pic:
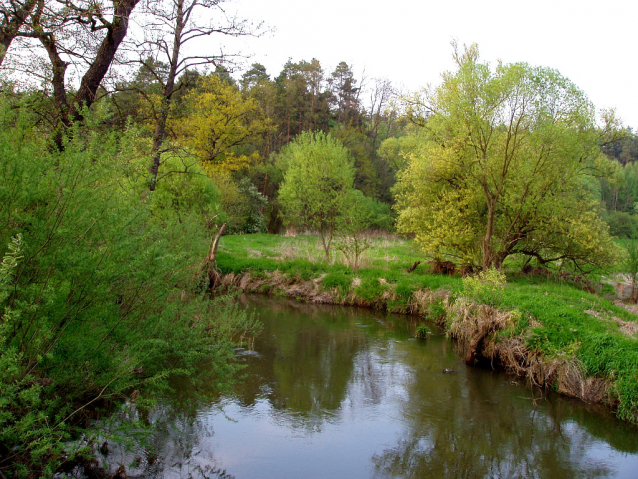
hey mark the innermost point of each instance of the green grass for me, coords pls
(569, 326)
(303, 256)
(557, 319)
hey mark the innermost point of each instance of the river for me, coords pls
(336, 392)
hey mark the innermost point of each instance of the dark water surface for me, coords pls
(333, 392)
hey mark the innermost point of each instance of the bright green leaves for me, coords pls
(318, 178)
(503, 168)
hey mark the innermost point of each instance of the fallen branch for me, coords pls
(413, 267)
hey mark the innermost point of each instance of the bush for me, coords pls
(622, 224)
(422, 331)
(485, 287)
(98, 290)
(380, 215)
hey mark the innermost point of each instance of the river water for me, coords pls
(335, 392)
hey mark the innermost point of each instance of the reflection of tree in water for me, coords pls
(316, 365)
(377, 374)
(304, 364)
(473, 425)
(173, 449)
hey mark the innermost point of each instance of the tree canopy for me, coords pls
(318, 178)
(506, 166)
(219, 121)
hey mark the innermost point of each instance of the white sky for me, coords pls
(593, 43)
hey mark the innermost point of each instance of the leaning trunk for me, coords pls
(210, 265)
(93, 77)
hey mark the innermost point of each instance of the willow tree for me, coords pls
(506, 166)
(318, 182)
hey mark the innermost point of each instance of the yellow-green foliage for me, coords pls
(219, 121)
(504, 166)
(485, 287)
(396, 151)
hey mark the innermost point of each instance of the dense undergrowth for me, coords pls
(546, 322)
(100, 289)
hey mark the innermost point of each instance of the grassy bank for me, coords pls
(549, 330)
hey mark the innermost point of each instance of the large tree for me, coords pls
(84, 35)
(318, 179)
(220, 122)
(14, 15)
(506, 167)
(345, 96)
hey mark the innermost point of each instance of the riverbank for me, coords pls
(553, 333)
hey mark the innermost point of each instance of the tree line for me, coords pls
(124, 148)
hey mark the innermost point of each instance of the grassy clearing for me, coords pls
(383, 268)
(554, 332)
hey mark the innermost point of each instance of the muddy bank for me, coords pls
(277, 284)
(484, 333)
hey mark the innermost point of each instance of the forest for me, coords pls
(127, 145)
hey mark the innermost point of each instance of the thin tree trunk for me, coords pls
(158, 142)
(326, 246)
(211, 260)
(487, 239)
(160, 127)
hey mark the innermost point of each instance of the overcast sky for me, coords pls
(593, 43)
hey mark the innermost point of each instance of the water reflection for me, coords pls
(337, 392)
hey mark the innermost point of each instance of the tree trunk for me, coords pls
(158, 141)
(58, 69)
(160, 126)
(106, 53)
(325, 241)
(210, 264)
(487, 239)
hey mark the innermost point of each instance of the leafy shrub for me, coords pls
(186, 192)
(352, 246)
(422, 331)
(486, 287)
(622, 224)
(98, 291)
(380, 215)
